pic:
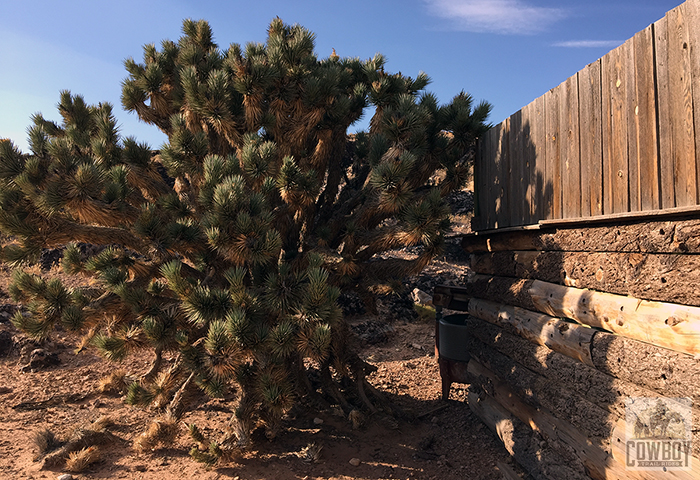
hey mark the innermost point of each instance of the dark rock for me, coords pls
(6, 343)
(373, 331)
(461, 202)
(40, 358)
(400, 306)
(50, 257)
(7, 311)
(351, 304)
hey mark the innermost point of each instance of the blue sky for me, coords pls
(507, 52)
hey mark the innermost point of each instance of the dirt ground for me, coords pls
(435, 439)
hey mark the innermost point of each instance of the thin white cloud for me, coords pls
(510, 17)
(590, 43)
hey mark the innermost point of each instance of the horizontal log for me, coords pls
(524, 445)
(561, 336)
(672, 326)
(661, 277)
(504, 290)
(599, 388)
(667, 325)
(669, 373)
(639, 237)
(540, 392)
(453, 298)
(575, 448)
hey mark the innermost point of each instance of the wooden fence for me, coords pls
(620, 137)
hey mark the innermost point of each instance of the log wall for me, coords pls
(565, 325)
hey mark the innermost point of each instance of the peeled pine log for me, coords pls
(646, 237)
(576, 450)
(586, 397)
(669, 373)
(559, 335)
(524, 445)
(661, 277)
(505, 290)
(541, 392)
(672, 326)
(667, 325)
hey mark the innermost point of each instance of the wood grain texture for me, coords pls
(590, 104)
(672, 326)
(570, 148)
(681, 108)
(553, 199)
(643, 127)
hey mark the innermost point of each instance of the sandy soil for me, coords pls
(435, 440)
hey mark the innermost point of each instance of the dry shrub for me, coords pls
(163, 430)
(82, 459)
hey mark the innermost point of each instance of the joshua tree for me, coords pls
(230, 245)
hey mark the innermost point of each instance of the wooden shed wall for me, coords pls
(620, 136)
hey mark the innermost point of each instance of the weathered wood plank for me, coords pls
(559, 335)
(672, 237)
(487, 179)
(671, 278)
(692, 13)
(538, 140)
(643, 127)
(590, 105)
(569, 148)
(672, 326)
(479, 190)
(615, 154)
(502, 166)
(515, 186)
(631, 114)
(506, 290)
(529, 156)
(681, 108)
(553, 200)
(666, 172)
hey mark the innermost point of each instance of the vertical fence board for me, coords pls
(668, 195)
(615, 154)
(490, 181)
(643, 126)
(538, 138)
(681, 106)
(590, 103)
(480, 202)
(528, 160)
(505, 193)
(528, 154)
(552, 154)
(569, 148)
(630, 113)
(516, 169)
(692, 12)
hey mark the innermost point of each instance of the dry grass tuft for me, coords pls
(82, 459)
(161, 431)
(116, 383)
(357, 419)
(311, 453)
(45, 441)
